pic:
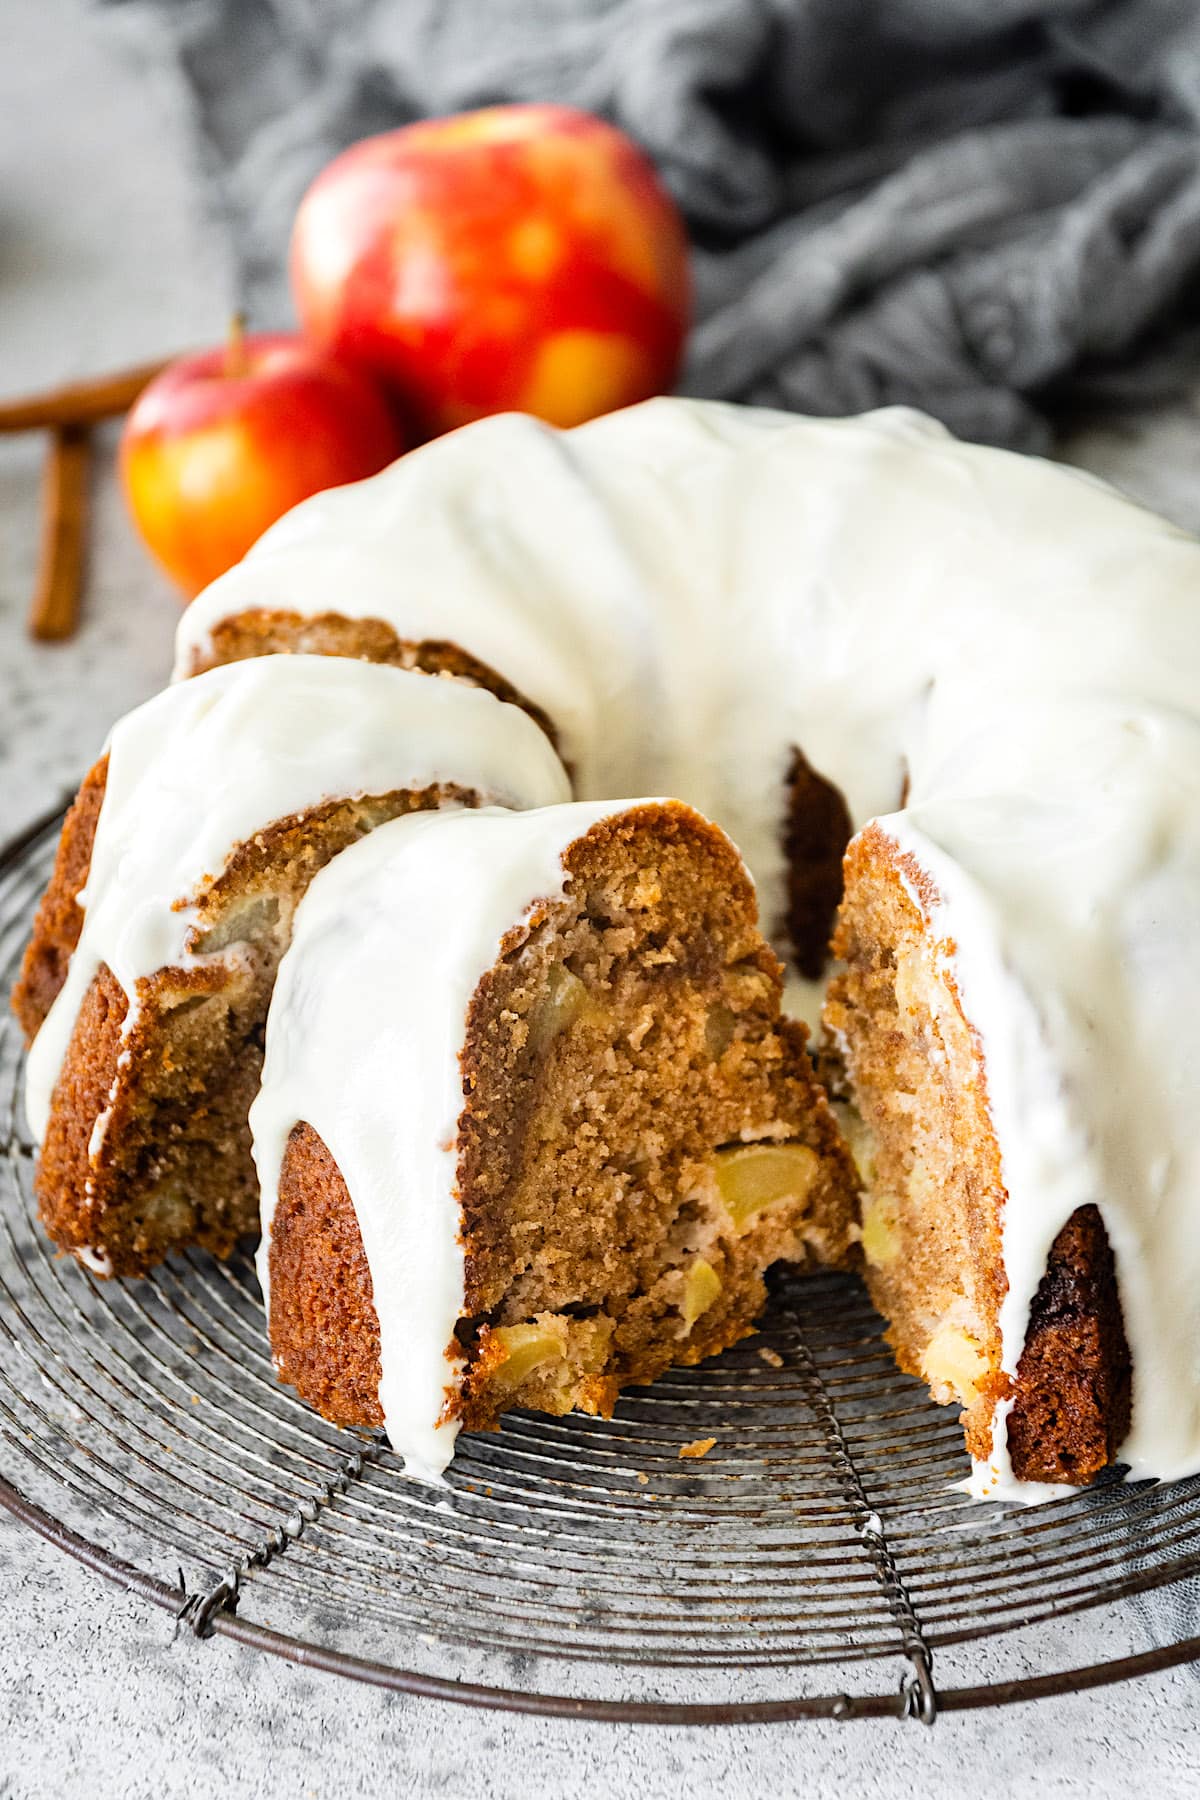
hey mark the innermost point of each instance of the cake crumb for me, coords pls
(771, 1357)
(698, 1447)
(642, 1479)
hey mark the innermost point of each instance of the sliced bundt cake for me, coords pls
(145, 987)
(806, 628)
(531, 1126)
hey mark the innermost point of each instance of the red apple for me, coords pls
(521, 257)
(221, 444)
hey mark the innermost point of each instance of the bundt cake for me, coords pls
(574, 1135)
(145, 987)
(987, 667)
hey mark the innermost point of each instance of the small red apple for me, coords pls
(221, 444)
(520, 257)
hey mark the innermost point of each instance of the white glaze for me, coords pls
(398, 928)
(692, 589)
(204, 766)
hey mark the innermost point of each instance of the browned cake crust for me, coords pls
(59, 918)
(321, 1292)
(1074, 1380)
(627, 1081)
(171, 1164)
(933, 1211)
(262, 633)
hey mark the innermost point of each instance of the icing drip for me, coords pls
(691, 590)
(204, 766)
(401, 926)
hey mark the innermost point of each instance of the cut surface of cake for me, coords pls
(575, 1135)
(145, 986)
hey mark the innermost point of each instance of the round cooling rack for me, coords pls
(819, 1561)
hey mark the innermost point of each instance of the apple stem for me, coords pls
(235, 346)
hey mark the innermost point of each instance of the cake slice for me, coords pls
(936, 1197)
(531, 1127)
(145, 987)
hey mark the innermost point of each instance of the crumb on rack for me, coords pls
(771, 1357)
(697, 1447)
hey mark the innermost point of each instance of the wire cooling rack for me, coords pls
(817, 1562)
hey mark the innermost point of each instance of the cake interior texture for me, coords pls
(641, 1138)
(934, 1201)
(148, 1146)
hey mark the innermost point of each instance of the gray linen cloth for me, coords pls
(988, 208)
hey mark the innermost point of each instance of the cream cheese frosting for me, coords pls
(999, 657)
(204, 766)
(401, 926)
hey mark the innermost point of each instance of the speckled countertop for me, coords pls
(105, 259)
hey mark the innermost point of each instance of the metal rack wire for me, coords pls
(820, 1561)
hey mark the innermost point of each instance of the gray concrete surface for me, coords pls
(106, 257)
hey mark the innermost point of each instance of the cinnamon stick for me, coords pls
(55, 610)
(80, 402)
